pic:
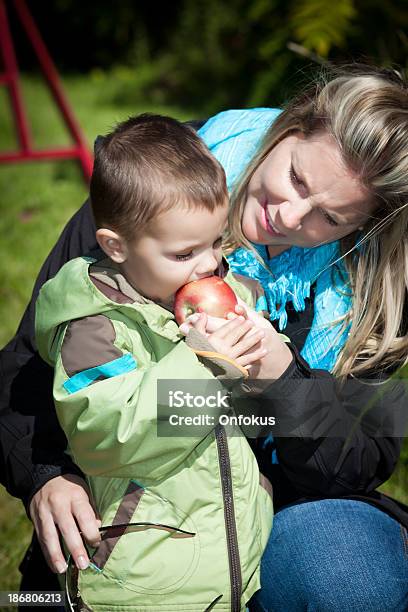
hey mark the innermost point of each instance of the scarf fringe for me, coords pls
(288, 277)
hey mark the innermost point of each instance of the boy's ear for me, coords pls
(112, 244)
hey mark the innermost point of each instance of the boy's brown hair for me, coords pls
(147, 165)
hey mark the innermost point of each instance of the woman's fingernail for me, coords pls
(82, 563)
(61, 567)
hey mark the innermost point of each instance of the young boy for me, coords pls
(197, 517)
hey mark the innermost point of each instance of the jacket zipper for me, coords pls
(229, 514)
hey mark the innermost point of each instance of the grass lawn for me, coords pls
(36, 201)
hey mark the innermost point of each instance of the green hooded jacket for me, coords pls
(202, 509)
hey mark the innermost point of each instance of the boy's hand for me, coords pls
(237, 338)
(214, 323)
(277, 356)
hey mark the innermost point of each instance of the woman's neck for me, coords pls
(274, 250)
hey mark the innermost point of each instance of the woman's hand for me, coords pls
(278, 355)
(63, 506)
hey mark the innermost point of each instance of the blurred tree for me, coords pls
(320, 25)
(380, 32)
(85, 35)
(258, 52)
(212, 54)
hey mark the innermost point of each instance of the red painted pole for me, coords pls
(51, 75)
(11, 79)
(24, 156)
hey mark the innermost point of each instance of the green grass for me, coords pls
(15, 530)
(36, 201)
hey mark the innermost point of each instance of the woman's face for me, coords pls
(303, 195)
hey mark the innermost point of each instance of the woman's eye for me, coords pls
(329, 219)
(294, 178)
(184, 257)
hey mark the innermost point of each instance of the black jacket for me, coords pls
(330, 452)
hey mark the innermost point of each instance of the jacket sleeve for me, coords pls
(334, 439)
(109, 412)
(32, 444)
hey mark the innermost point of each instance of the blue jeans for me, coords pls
(334, 555)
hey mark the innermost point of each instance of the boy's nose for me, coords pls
(207, 265)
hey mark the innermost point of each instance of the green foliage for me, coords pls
(320, 25)
(214, 54)
(244, 49)
(229, 46)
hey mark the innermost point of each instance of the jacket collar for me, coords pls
(108, 278)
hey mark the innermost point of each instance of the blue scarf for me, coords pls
(288, 278)
(233, 137)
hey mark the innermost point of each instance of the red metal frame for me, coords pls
(10, 78)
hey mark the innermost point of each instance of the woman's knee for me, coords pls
(334, 555)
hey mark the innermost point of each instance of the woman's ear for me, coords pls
(112, 244)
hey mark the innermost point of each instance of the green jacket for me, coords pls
(208, 509)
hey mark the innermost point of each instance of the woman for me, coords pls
(324, 205)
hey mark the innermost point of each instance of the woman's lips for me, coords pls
(267, 223)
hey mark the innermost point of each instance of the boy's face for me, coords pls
(182, 245)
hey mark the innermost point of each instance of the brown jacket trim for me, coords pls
(123, 515)
(223, 362)
(88, 343)
(220, 365)
(105, 274)
(112, 294)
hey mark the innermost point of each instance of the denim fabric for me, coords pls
(334, 555)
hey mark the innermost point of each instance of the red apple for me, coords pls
(211, 295)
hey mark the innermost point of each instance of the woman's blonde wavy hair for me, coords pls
(366, 111)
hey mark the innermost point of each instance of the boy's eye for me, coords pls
(184, 256)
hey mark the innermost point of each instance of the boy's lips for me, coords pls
(267, 222)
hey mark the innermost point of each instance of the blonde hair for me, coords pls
(366, 111)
